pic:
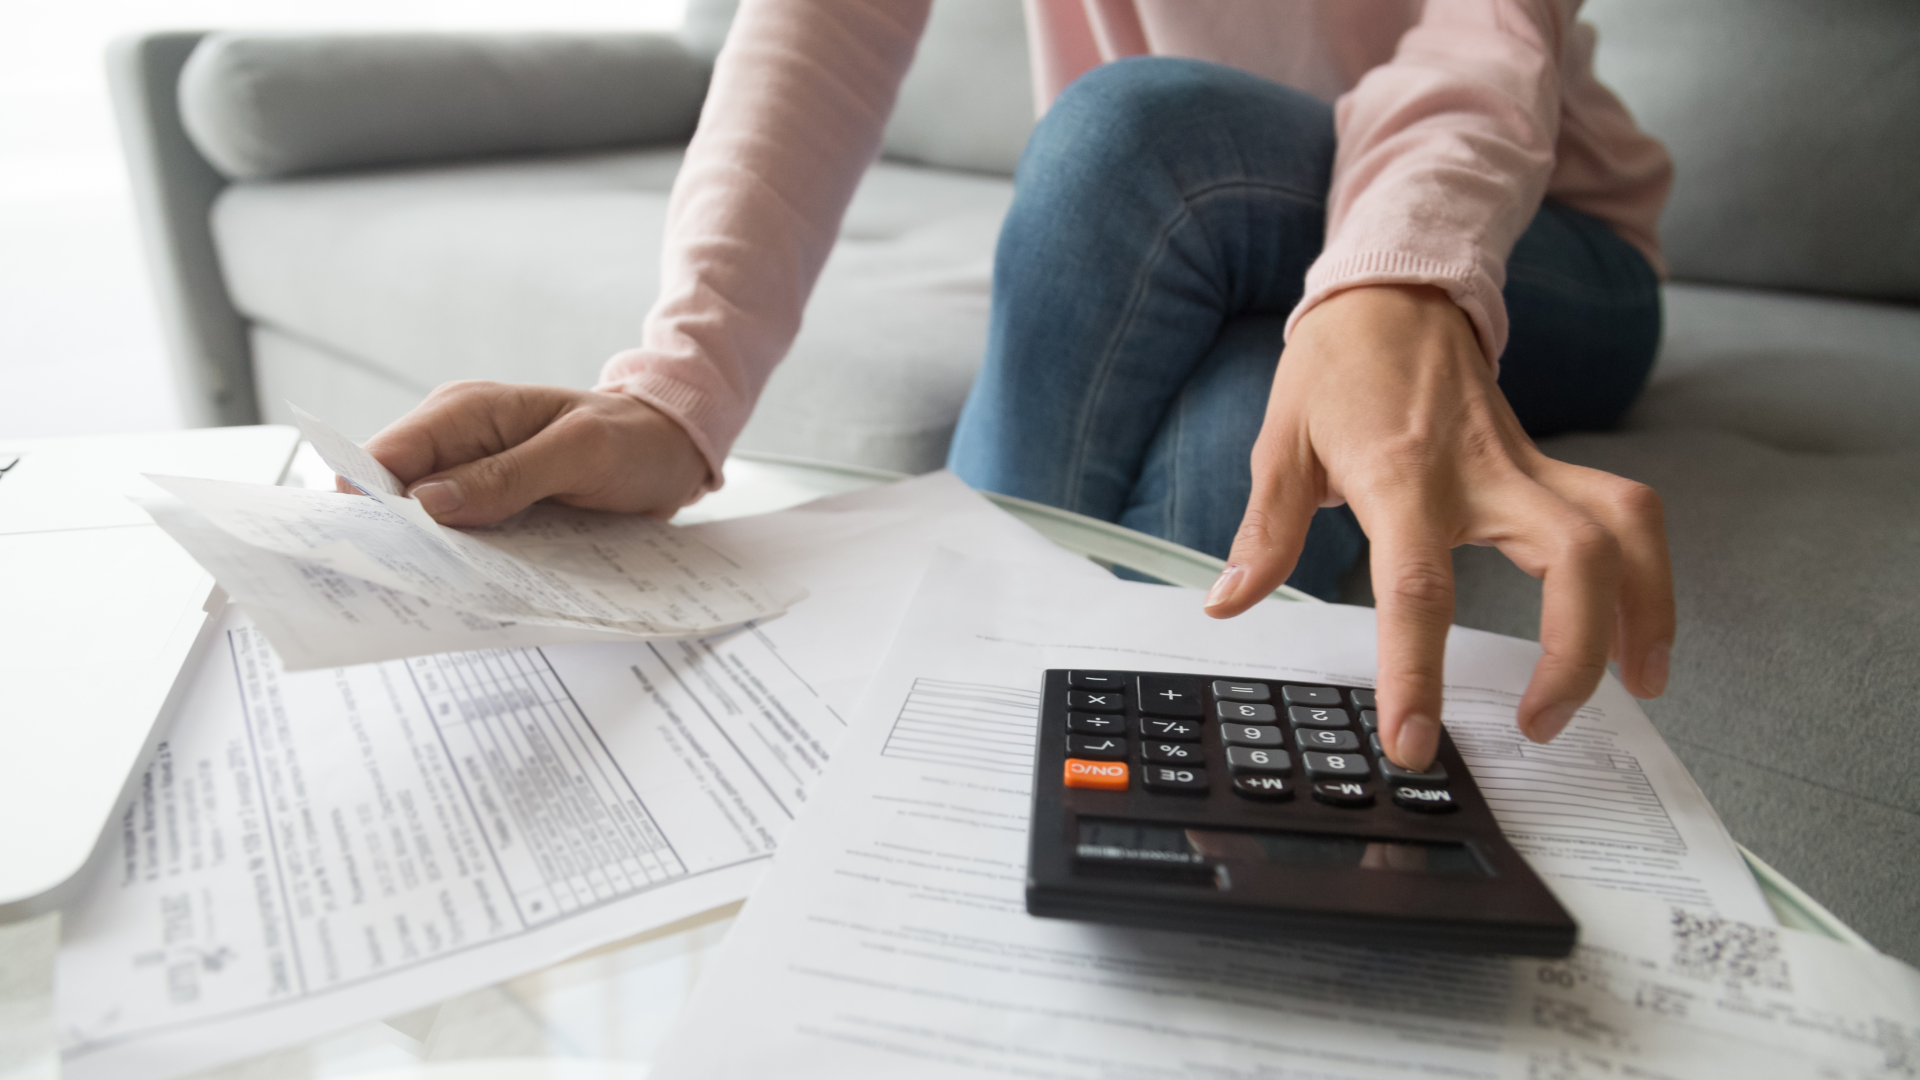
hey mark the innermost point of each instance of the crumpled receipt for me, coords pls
(334, 579)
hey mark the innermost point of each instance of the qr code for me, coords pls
(1733, 953)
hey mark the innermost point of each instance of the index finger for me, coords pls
(1413, 598)
(461, 422)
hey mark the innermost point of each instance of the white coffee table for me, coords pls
(602, 1015)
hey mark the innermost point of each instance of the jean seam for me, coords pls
(1076, 469)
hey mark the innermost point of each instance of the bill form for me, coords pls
(891, 938)
(337, 579)
(311, 850)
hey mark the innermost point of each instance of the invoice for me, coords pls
(891, 936)
(315, 849)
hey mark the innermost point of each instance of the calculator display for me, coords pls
(1142, 843)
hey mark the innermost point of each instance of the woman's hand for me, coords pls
(1383, 400)
(476, 452)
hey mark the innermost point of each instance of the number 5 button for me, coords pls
(1338, 766)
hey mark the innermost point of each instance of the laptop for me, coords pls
(100, 613)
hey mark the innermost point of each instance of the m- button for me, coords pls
(1163, 696)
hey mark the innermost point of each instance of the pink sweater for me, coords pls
(1454, 119)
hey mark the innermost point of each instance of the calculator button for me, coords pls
(1370, 720)
(1244, 712)
(1087, 723)
(1104, 747)
(1343, 794)
(1434, 776)
(1096, 680)
(1310, 695)
(1327, 766)
(1227, 690)
(1251, 759)
(1097, 700)
(1175, 730)
(1331, 739)
(1262, 786)
(1163, 696)
(1362, 699)
(1426, 800)
(1251, 735)
(1174, 778)
(1373, 740)
(1172, 753)
(1100, 775)
(1307, 716)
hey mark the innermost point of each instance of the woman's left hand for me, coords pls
(1384, 400)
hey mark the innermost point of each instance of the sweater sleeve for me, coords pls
(800, 95)
(1444, 155)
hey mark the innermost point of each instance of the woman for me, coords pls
(1224, 311)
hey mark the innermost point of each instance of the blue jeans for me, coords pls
(1164, 216)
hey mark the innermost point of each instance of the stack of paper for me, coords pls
(336, 579)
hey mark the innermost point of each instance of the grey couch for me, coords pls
(346, 221)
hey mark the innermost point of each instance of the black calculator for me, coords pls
(1265, 807)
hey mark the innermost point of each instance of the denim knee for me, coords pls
(1167, 113)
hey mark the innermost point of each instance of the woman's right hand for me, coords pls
(473, 453)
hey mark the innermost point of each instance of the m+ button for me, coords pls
(1163, 695)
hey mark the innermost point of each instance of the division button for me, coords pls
(1362, 699)
(1100, 775)
(1163, 695)
(1096, 680)
(1252, 735)
(1174, 730)
(1245, 712)
(1329, 739)
(1087, 723)
(1434, 776)
(1174, 778)
(1248, 759)
(1426, 800)
(1263, 786)
(1310, 695)
(1172, 753)
(1097, 700)
(1335, 766)
(1228, 690)
(1103, 747)
(1308, 716)
(1343, 794)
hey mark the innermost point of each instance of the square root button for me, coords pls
(1162, 695)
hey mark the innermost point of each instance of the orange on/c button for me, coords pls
(1105, 775)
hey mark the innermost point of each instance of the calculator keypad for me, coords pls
(1264, 730)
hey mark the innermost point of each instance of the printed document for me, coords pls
(336, 579)
(891, 939)
(311, 850)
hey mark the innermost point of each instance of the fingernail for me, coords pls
(1653, 672)
(1225, 586)
(439, 497)
(1552, 720)
(1418, 741)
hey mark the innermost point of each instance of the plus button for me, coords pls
(1169, 695)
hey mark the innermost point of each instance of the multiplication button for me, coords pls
(1097, 700)
(1174, 778)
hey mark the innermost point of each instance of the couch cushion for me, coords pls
(537, 271)
(275, 104)
(1792, 131)
(967, 102)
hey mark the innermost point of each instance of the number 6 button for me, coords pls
(1343, 766)
(1251, 735)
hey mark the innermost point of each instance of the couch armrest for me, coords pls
(261, 105)
(173, 190)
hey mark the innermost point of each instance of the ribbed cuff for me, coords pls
(1466, 284)
(696, 412)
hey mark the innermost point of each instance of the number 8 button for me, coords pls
(1342, 766)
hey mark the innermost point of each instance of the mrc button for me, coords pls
(1100, 775)
(1425, 800)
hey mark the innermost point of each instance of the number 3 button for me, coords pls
(1342, 766)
